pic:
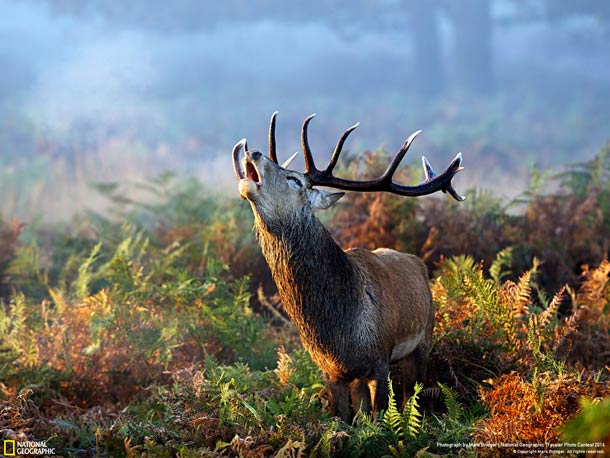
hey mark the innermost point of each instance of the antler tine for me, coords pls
(337, 152)
(272, 149)
(387, 175)
(288, 161)
(431, 174)
(428, 170)
(457, 161)
(433, 182)
(310, 165)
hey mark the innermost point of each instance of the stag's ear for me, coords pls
(321, 200)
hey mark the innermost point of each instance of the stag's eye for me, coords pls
(294, 182)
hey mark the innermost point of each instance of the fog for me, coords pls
(106, 91)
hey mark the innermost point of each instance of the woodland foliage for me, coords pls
(139, 333)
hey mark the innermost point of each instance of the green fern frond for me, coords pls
(392, 417)
(411, 416)
(461, 265)
(542, 359)
(454, 408)
(323, 448)
(498, 267)
(84, 275)
(400, 450)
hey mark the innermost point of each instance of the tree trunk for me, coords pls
(425, 32)
(473, 44)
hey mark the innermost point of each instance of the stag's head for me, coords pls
(266, 183)
(278, 192)
(274, 190)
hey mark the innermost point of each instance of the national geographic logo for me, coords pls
(9, 448)
(20, 448)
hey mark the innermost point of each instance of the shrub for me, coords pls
(146, 315)
(133, 333)
(9, 241)
(523, 411)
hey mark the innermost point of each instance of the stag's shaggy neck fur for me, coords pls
(316, 280)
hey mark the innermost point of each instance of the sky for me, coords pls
(116, 92)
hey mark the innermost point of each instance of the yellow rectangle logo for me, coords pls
(9, 447)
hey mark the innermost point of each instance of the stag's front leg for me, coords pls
(378, 384)
(405, 373)
(361, 396)
(339, 399)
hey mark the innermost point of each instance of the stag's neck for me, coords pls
(316, 280)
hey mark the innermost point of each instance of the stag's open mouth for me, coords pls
(252, 172)
(246, 171)
(247, 164)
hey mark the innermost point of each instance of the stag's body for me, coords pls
(358, 312)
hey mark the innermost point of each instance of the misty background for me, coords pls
(120, 91)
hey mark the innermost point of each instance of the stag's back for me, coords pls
(397, 291)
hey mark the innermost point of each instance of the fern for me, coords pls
(457, 424)
(369, 438)
(543, 360)
(522, 294)
(18, 341)
(409, 422)
(399, 450)
(456, 269)
(454, 408)
(411, 416)
(81, 286)
(285, 366)
(498, 267)
(291, 449)
(392, 418)
(227, 400)
(323, 447)
(546, 317)
(28, 272)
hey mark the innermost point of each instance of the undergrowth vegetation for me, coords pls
(144, 332)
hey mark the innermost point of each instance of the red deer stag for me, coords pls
(361, 314)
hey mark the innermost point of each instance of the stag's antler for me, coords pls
(432, 183)
(272, 150)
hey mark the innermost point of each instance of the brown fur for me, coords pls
(353, 309)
